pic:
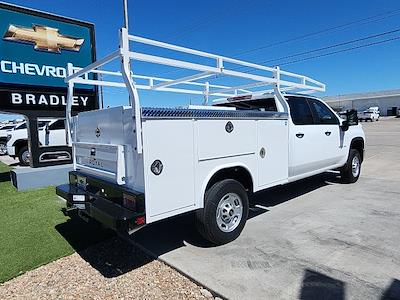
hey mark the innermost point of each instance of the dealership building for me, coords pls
(388, 101)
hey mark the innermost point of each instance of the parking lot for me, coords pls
(313, 239)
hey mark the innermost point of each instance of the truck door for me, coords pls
(304, 138)
(56, 134)
(327, 124)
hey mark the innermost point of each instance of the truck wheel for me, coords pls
(225, 212)
(24, 156)
(3, 148)
(351, 171)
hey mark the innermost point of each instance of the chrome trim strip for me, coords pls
(226, 156)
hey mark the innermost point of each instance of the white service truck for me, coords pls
(134, 166)
(51, 133)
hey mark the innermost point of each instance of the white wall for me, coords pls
(384, 103)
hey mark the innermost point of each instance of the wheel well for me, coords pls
(358, 144)
(240, 174)
(19, 144)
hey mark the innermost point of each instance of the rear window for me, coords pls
(300, 111)
(267, 104)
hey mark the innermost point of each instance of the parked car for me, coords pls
(3, 137)
(51, 133)
(371, 114)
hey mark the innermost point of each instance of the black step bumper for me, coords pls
(109, 212)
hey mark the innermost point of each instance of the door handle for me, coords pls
(299, 135)
(327, 133)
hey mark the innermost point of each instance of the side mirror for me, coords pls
(351, 119)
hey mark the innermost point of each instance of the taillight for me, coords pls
(140, 220)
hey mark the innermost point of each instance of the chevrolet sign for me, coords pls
(44, 38)
(35, 48)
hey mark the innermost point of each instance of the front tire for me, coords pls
(3, 148)
(24, 156)
(225, 212)
(351, 171)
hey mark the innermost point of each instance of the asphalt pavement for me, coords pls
(312, 239)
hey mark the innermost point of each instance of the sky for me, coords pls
(232, 28)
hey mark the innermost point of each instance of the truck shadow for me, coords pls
(167, 235)
(101, 248)
(113, 256)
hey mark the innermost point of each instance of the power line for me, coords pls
(210, 19)
(333, 46)
(342, 50)
(329, 53)
(362, 21)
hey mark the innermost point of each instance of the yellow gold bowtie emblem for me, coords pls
(44, 38)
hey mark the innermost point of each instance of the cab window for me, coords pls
(267, 104)
(300, 111)
(322, 114)
(60, 124)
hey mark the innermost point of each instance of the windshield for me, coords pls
(7, 127)
(41, 124)
(267, 104)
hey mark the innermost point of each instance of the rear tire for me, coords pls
(225, 212)
(24, 156)
(352, 170)
(3, 148)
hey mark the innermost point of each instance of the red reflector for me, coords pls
(240, 98)
(140, 220)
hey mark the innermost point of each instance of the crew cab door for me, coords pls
(328, 126)
(303, 138)
(314, 141)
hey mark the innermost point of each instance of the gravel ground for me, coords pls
(111, 270)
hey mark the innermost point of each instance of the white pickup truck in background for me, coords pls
(134, 166)
(371, 114)
(51, 133)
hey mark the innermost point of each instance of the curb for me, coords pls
(150, 253)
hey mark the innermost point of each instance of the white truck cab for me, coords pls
(134, 166)
(51, 133)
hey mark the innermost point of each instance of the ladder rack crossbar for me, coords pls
(221, 67)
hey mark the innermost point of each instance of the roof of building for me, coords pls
(367, 95)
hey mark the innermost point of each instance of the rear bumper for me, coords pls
(93, 202)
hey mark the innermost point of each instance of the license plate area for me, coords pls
(81, 183)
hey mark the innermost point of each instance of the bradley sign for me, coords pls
(35, 48)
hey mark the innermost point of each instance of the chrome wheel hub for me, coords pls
(355, 166)
(229, 212)
(25, 157)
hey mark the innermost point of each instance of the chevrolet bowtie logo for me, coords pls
(44, 38)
